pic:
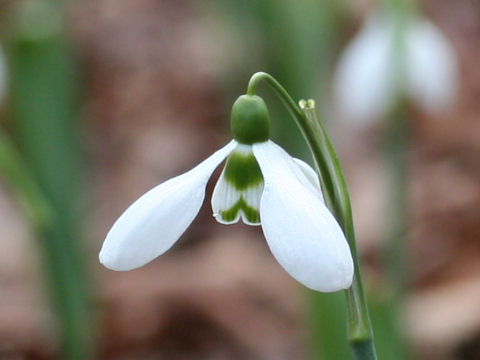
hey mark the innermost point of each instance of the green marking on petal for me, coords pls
(252, 214)
(242, 171)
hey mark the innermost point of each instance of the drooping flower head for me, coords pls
(261, 185)
(424, 62)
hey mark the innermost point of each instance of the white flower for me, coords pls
(261, 184)
(365, 75)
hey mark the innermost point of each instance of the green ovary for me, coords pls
(242, 171)
(252, 214)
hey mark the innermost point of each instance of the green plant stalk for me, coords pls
(395, 150)
(360, 328)
(326, 321)
(338, 200)
(390, 308)
(44, 97)
(387, 308)
(14, 171)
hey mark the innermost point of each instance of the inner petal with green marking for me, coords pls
(239, 189)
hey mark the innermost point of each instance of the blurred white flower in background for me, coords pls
(366, 78)
(3, 75)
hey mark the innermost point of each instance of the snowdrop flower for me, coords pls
(261, 185)
(365, 75)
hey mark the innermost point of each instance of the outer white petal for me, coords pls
(152, 224)
(362, 90)
(310, 174)
(301, 232)
(432, 71)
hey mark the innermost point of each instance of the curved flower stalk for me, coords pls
(3, 75)
(261, 185)
(376, 68)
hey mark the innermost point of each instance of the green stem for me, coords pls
(15, 172)
(338, 200)
(396, 159)
(390, 307)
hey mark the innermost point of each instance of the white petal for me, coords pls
(432, 71)
(252, 196)
(152, 224)
(310, 174)
(224, 197)
(234, 198)
(362, 90)
(301, 232)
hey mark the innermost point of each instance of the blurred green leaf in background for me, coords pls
(44, 101)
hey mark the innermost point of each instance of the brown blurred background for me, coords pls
(159, 77)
